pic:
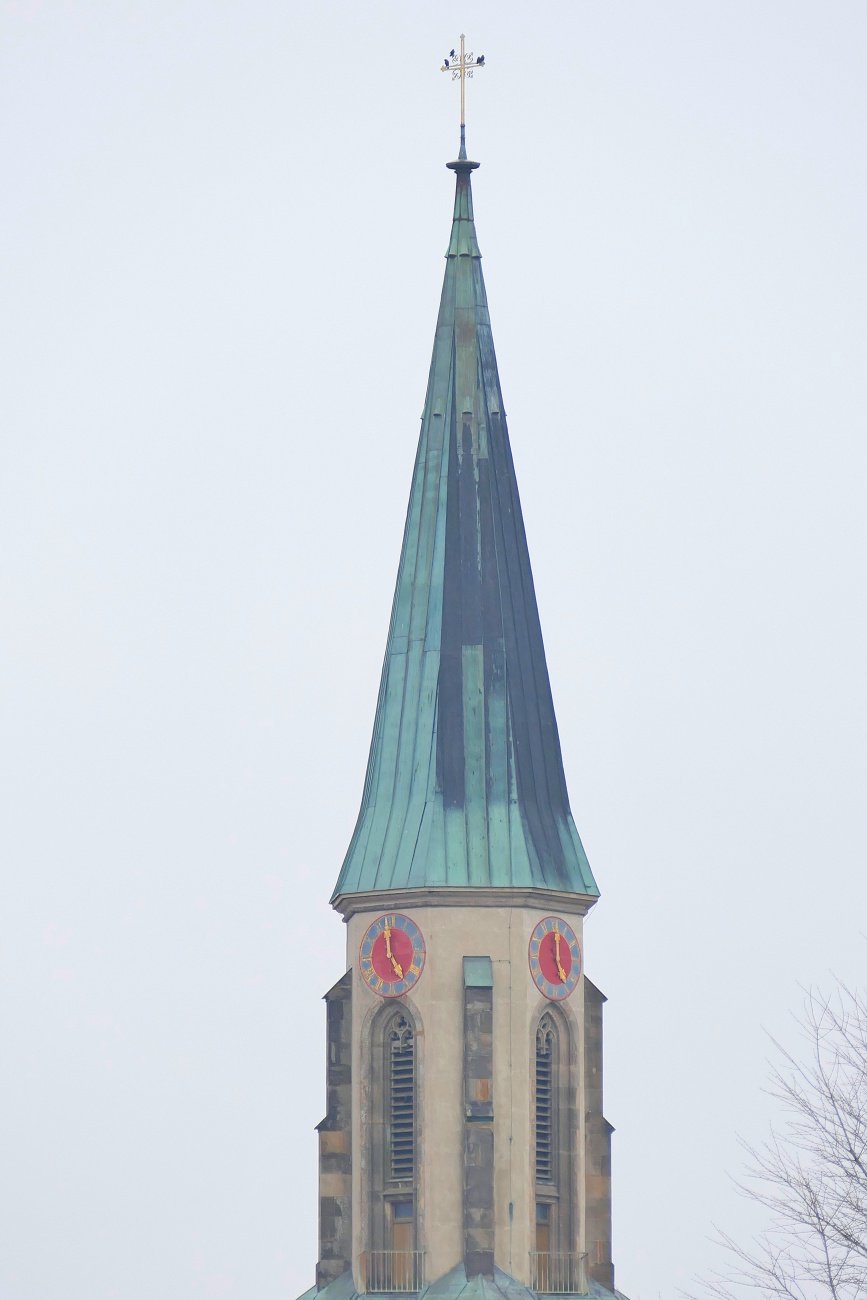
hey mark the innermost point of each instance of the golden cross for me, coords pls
(462, 66)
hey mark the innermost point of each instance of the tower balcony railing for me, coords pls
(558, 1272)
(389, 1272)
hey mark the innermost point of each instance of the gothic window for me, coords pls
(401, 1101)
(555, 1136)
(392, 1142)
(545, 1036)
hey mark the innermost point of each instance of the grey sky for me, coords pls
(222, 237)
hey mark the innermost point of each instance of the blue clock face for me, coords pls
(392, 955)
(555, 958)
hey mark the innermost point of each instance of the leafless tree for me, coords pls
(811, 1175)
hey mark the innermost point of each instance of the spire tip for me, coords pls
(462, 164)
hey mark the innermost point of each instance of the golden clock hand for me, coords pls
(390, 955)
(560, 970)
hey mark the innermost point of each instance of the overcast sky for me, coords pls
(223, 228)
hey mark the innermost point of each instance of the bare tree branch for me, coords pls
(811, 1173)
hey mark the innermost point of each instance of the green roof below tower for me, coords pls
(465, 783)
(455, 1285)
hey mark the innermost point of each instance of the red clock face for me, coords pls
(391, 958)
(555, 958)
(555, 961)
(392, 955)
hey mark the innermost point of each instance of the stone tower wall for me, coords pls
(444, 1019)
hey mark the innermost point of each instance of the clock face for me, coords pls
(555, 958)
(392, 955)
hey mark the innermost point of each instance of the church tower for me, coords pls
(464, 1143)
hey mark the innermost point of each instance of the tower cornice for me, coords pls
(377, 900)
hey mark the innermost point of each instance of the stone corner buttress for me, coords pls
(335, 1139)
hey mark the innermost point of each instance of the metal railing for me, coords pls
(558, 1272)
(391, 1271)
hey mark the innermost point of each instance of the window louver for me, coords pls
(544, 1103)
(402, 1102)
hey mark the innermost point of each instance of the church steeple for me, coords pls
(465, 784)
(464, 1150)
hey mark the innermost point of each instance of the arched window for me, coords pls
(555, 1143)
(393, 1151)
(545, 1109)
(400, 1124)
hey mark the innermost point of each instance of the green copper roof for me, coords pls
(465, 782)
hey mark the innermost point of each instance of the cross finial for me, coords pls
(462, 65)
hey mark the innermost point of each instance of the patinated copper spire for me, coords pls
(465, 784)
